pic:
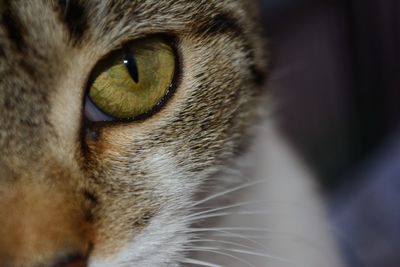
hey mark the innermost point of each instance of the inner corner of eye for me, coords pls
(93, 113)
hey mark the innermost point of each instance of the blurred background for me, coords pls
(336, 76)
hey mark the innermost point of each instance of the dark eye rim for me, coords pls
(101, 64)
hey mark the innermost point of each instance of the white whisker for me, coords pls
(246, 252)
(222, 242)
(223, 214)
(237, 205)
(220, 194)
(249, 229)
(219, 253)
(200, 263)
(228, 232)
(258, 237)
(235, 235)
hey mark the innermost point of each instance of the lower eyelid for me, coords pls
(93, 113)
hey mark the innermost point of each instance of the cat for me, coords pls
(123, 126)
(82, 182)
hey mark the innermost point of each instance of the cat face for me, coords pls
(80, 187)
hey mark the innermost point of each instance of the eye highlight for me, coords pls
(131, 82)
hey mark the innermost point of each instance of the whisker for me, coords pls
(227, 232)
(249, 229)
(199, 263)
(222, 242)
(258, 237)
(243, 186)
(239, 236)
(246, 252)
(237, 205)
(259, 240)
(204, 210)
(222, 214)
(219, 253)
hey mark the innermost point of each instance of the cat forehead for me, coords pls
(48, 30)
(105, 18)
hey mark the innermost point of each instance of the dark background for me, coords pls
(335, 78)
(335, 72)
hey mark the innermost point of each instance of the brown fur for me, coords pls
(67, 187)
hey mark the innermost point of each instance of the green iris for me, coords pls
(134, 80)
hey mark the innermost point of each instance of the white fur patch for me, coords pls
(160, 243)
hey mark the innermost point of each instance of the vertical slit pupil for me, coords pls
(131, 65)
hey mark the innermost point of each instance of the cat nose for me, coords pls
(42, 227)
(73, 260)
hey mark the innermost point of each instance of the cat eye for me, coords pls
(132, 82)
